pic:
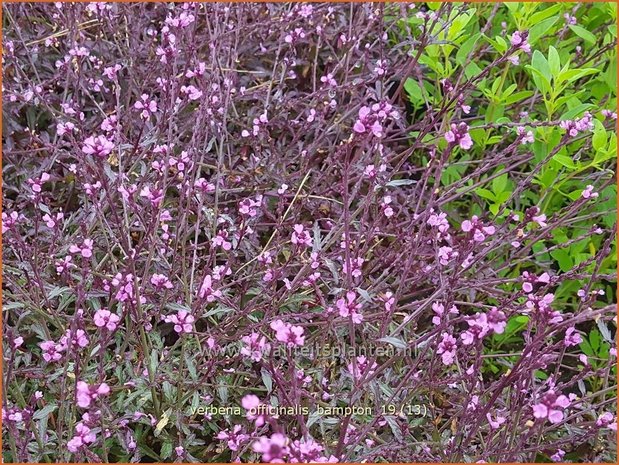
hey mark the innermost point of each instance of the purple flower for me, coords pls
(98, 146)
(551, 407)
(85, 394)
(447, 348)
(182, 321)
(105, 319)
(300, 236)
(459, 135)
(273, 449)
(349, 307)
(519, 39)
(287, 333)
(572, 338)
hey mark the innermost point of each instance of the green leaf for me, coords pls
(466, 48)
(594, 340)
(599, 136)
(540, 63)
(413, 90)
(486, 194)
(540, 81)
(517, 97)
(499, 184)
(583, 33)
(586, 348)
(541, 28)
(565, 161)
(546, 13)
(563, 258)
(576, 112)
(572, 75)
(554, 61)
(166, 450)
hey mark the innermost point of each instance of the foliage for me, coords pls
(404, 211)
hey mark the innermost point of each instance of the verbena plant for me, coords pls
(222, 222)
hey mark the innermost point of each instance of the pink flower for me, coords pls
(606, 420)
(479, 230)
(85, 249)
(255, 346)
(525, 137)
(300, 237)
(98, 146)
(446, 254)
(497, 422)
(147, 106)
(588, 193)
(496, 320)
(104, 318)
(387, 209)
(348, 307)
(459, 135)
(161, 281)
(206, 290)
(51, 221)
(85, 394)
(9, 220)
(182, 321)
(573, 127)
(192, 92)
(572, 338)
(519, 39)
(551, 407)
(154, 195)
(478, 328)
(285, 332)
(52, 352)
(234, 438)
(447, 348)
(389, 300)
(328, 80)
(372, 119)
(221, 240)
(252, 404)
(558, 456)
(273, 449)
(362, 368)
(83, 436)
(530, 279)
(35, 185)
(438, 221)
